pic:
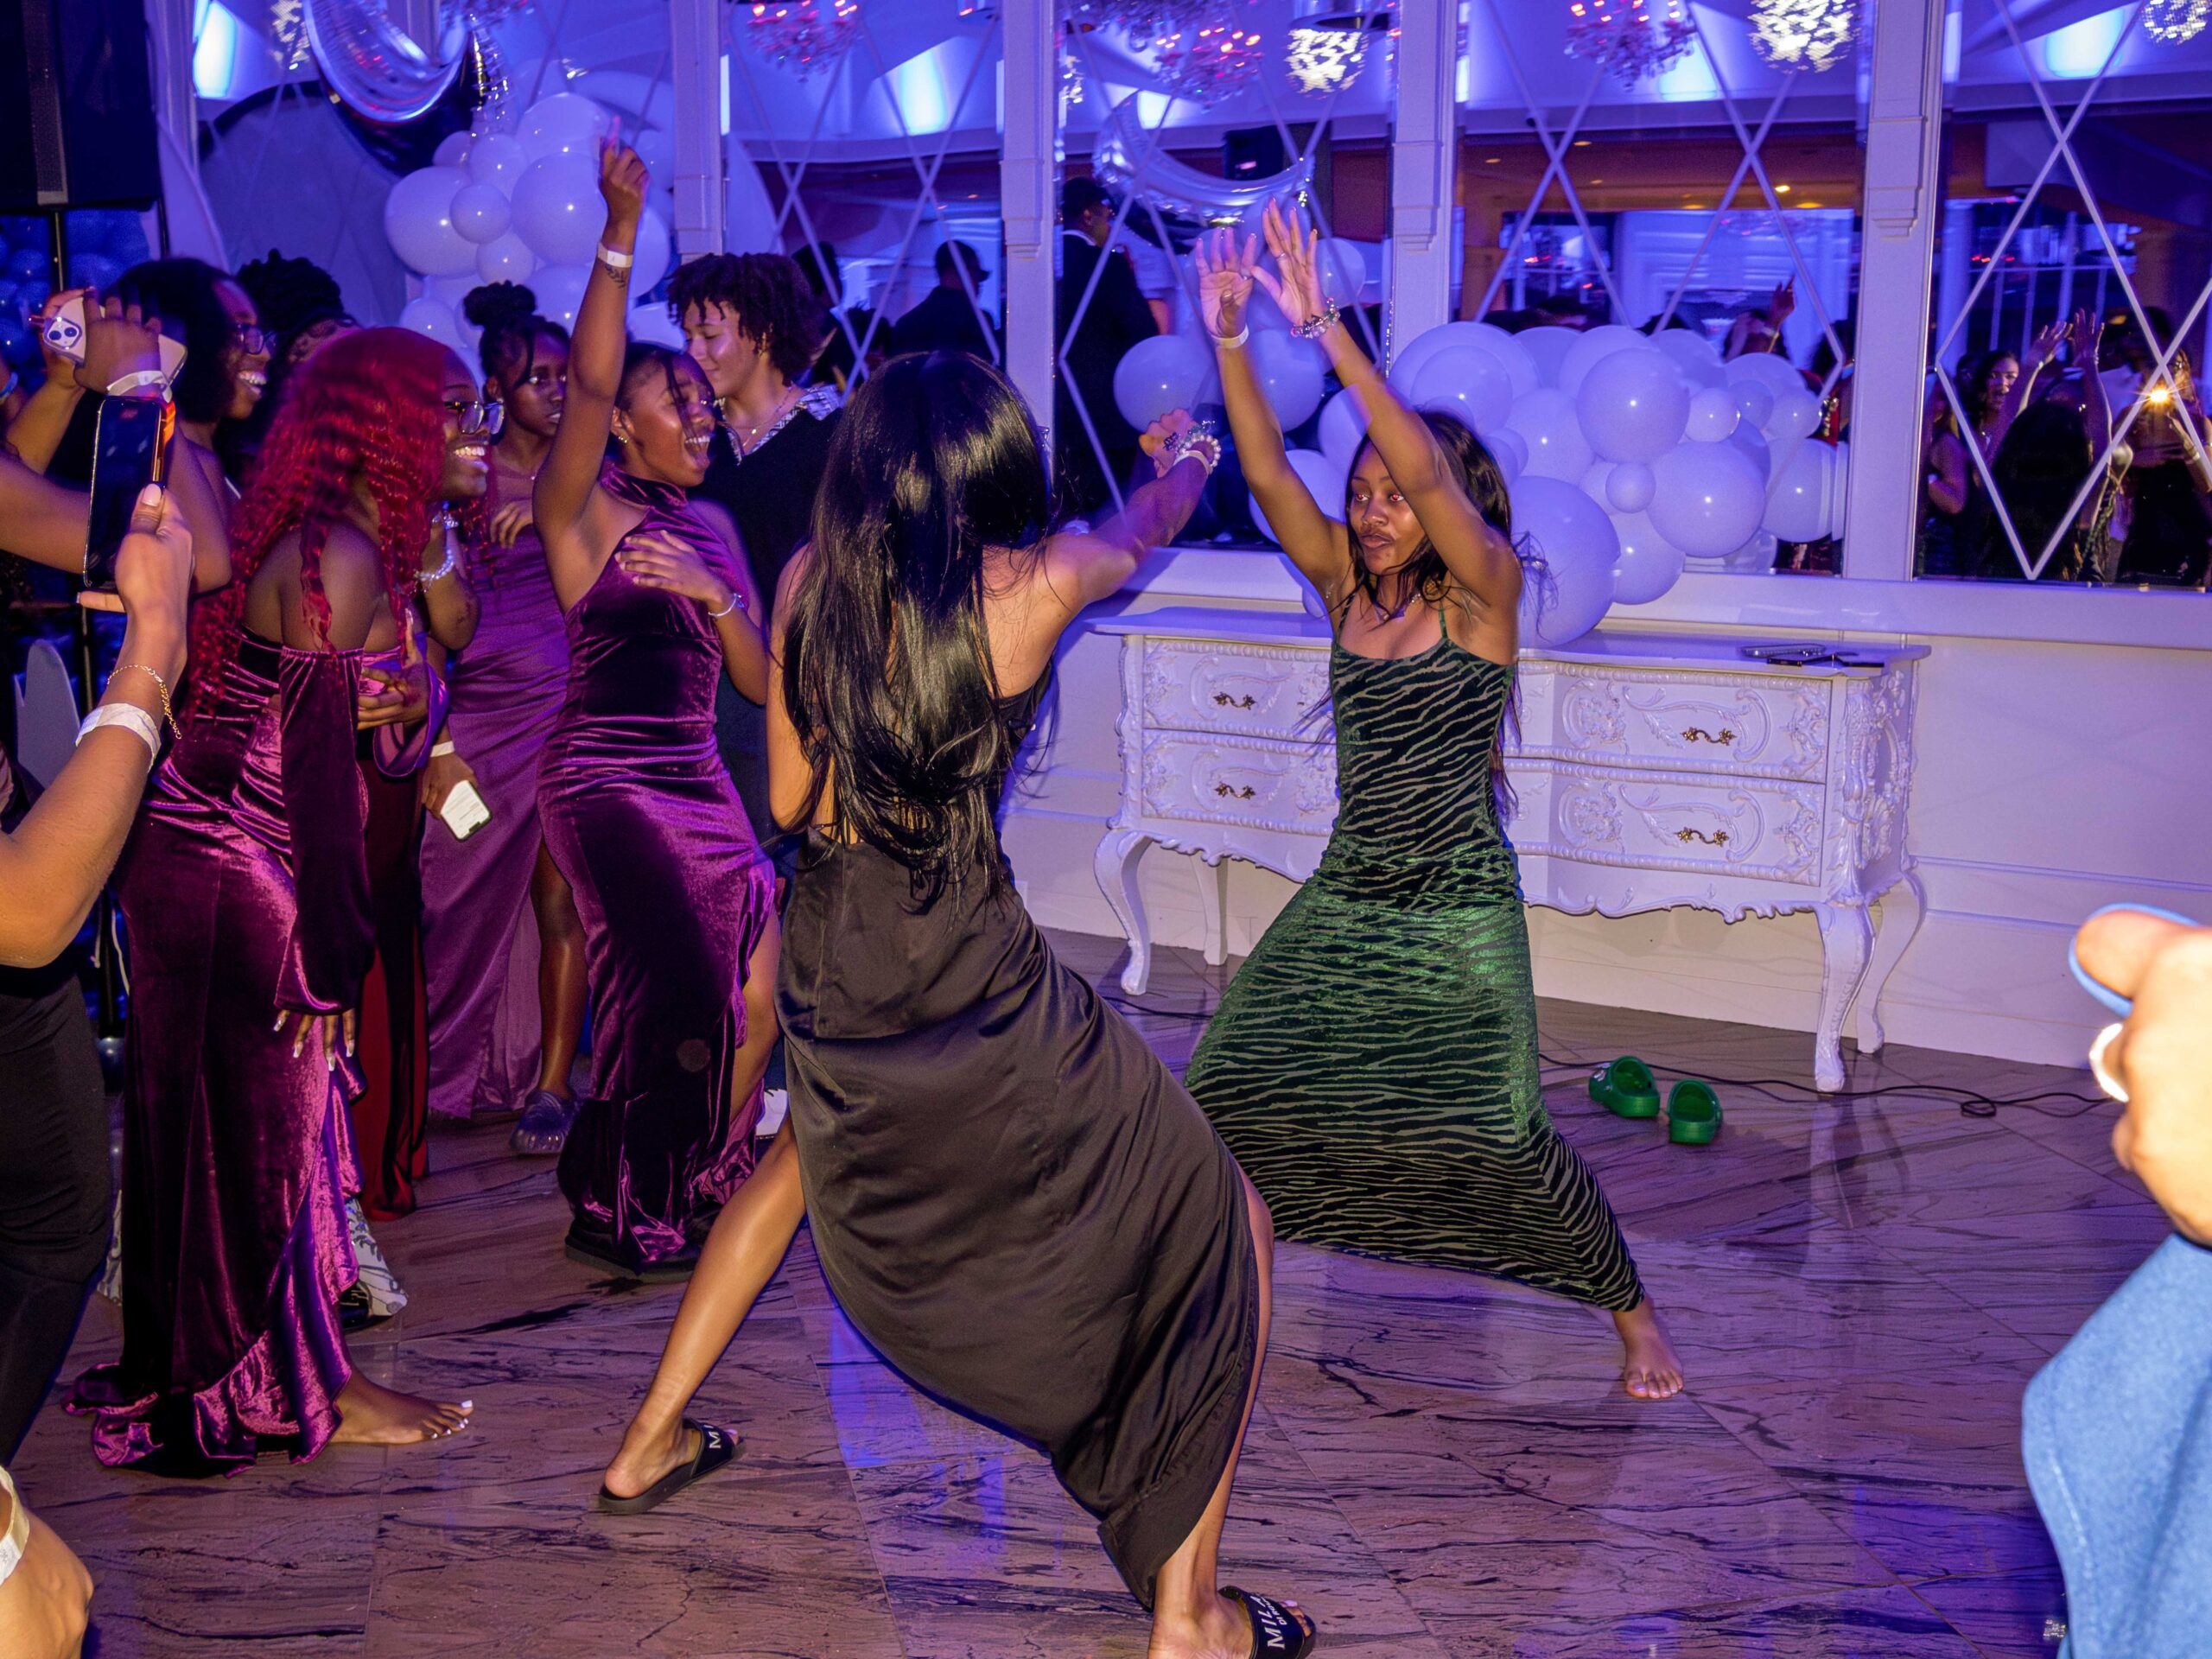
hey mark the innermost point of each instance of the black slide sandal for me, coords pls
(1279, 1629)
(716, 1447)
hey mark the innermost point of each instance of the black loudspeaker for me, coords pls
(1252, 153)
(76, 106)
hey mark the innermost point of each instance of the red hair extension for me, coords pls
(368, 407)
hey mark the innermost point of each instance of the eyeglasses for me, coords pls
(253, 339)
(477, 419)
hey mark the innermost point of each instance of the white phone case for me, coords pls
(464, 810)
(65, 332)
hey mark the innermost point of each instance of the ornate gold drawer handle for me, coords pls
(1244, 793)
(1222, 699)
(1699, 735)
(1719, 838)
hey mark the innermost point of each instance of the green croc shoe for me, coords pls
(1626, 1088)
(1693, 1113)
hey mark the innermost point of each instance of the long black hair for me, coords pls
(1477, 471)
(887, 673)
(185, 294)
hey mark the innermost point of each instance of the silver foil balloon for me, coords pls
(495, 109)
(374, 68)
(1126, 158)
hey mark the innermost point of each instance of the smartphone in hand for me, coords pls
(64, 333)
(129, 451)
(464, 810)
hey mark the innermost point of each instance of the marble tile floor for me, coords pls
(1440, 1467)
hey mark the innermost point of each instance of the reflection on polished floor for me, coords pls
(1440, 1465)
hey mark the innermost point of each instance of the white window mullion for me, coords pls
(1901, 204)
(1424, 157)
(1027, 171)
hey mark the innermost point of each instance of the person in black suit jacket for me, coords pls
(1115, 319)
(948, 320)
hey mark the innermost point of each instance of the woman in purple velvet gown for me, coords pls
(677, 897)
(244, 893)
(501, 943)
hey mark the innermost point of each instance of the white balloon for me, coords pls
(1840, 489)
(565, 123)
(657, 149)
(1649, 564)
(1343, 429)
(1801, 504)
(497, 158)
(451, 292)
(1547, 423)
(1520, 367)
(1577, 544)
(505, 259)
(653, 324)
(1714, 415)
(418, 221)
(1748, 438)
(1289, 372)
(1546, 345)
(480, 213)
(1323, 481)
(452, 150)
(1591, 347)
(1592, 483)
(1158, 376)
(433, 317)
(1343, 270)
(557, 209)
(1632, 405)
(654, 248)
(1630, 487)
(1796, 414)
(1754, 401)
(1709, 497)
(1755, 554)
(1765, 369)
(559, 290)
(1694, 354)
(1510, 451)
(1468, 382)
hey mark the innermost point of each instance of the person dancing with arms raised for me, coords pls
(1013, 1198)
(676, 898)
(1373, 1065)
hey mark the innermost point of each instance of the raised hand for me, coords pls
(623, 182)
(1296, 285)
(656, 560)
(1158, 439)
(2046, 343)
(119, 340)
(1782, 302)
(1225, 272)
(2089, 332)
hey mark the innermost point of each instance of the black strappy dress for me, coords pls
(1013, 1198)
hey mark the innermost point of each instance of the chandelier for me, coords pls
(1632, 38)
(804, 36)
(1811, 34)
(1206, 64)
(1143, 21)
(2172, 22)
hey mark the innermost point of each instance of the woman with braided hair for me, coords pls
(502, 943)
(245, 894)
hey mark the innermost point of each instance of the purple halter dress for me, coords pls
(244, 889)
(480, 935)
(673, 891)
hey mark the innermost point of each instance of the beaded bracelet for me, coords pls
(1197, 441)
(1314, 328)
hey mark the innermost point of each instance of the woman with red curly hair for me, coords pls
(245, 894)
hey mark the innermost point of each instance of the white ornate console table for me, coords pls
(1652, 770)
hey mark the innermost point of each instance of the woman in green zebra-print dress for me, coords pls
(1373, 1065)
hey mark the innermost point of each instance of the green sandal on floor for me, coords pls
(1693, 1113)
(1626, 1088)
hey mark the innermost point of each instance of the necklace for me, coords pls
(745, 439)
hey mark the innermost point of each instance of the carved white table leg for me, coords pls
(1903, 907)
(1844, 938)
(1114, 864)
(1213, 901)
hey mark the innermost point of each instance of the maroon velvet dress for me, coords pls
(673, 891)
(244, 889)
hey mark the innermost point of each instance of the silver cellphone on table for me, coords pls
(464, 810)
